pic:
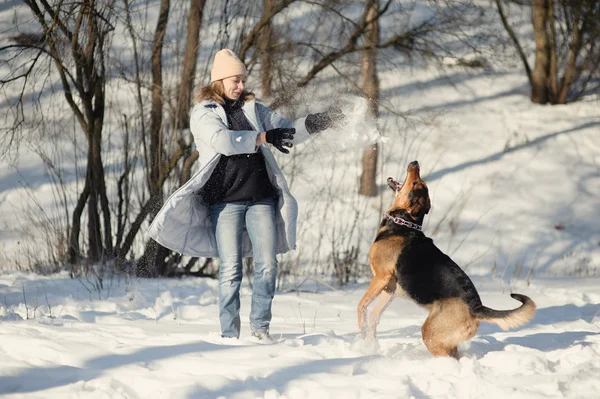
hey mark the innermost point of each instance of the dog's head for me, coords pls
(412, 196)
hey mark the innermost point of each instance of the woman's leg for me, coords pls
(260, 222)
(228, 223)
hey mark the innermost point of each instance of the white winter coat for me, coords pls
(183, 224)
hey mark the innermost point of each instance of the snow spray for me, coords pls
(358, 129)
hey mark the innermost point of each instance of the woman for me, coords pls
(238, 203)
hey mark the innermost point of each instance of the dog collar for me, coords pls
(399, 220)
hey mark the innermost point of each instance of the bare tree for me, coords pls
(152, 262)
(567, 50)
(74, 36)
(159, 160)
(425, 37)
(368, 185)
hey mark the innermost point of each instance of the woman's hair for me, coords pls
(216, 91)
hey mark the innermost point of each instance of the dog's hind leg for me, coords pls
(448, 324)
(431, 333)
(377, 285)
(384, 300)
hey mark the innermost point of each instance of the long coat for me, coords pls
(183, 224)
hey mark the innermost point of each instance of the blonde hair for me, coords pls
(216, 91)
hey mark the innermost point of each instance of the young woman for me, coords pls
(238, 203)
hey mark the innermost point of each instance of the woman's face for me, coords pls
(234, 86)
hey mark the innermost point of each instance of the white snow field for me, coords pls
(159, 339)
(515, 191)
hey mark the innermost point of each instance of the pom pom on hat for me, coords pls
(226, 64)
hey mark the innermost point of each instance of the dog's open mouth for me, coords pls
(394, 184)
(413, 168)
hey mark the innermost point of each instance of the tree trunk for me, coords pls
(186, 84)
(188, 73)
(99, 101)
(570, 74)
(186, 170)
(94, 238)
(368, 186)
(93, 100)
(266, 72)
(552, 83)
(74, 251)
(94, 175)
(539, 78)
(156, 111)
(151, 261)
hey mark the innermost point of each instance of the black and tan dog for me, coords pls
(407, 263)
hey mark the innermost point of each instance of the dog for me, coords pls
(406, 263)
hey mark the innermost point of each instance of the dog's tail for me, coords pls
(507, 319)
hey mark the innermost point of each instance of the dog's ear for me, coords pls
(427, 206)
(393, 184)
(420, 207)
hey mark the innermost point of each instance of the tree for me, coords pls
(539, 77)
(152, 262)
(567, 50)
(188, 78)
(74, 36)
(368, 186)
(188, 72)
(266, 39)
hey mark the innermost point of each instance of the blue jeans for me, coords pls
(229, 221)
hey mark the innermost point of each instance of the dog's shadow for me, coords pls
(484, 343)
(544, 342)
(408, 341)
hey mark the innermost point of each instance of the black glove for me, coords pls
(324, 120)
(281, 137)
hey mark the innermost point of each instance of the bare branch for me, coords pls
(331, 57)
(266, 18)
(327, 7)
(514, 38)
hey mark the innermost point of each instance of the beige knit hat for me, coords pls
(226, 64)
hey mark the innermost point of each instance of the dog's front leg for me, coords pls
(383, 302)
(377, 285)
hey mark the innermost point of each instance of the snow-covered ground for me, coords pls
(515, 186)
(159, 339)
(515, 193)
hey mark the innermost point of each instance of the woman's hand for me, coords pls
(324, 120)
(280, 138)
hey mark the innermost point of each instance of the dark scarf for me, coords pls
(240, 177)
(235, 115)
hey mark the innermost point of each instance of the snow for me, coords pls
(514, 190)
(159, 338)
